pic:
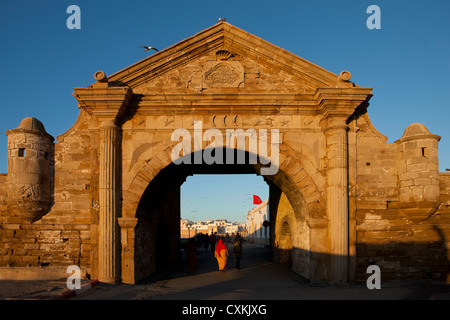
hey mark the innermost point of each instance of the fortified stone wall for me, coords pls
(402, 207)
(62, 237)
(402, 221)
(444, 185)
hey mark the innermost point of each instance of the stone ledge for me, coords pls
(16, 273)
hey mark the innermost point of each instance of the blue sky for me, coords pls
(406, 61)
(231, 196)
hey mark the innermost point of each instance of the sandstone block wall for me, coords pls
(62, 237)
(402, 208)
(402, 224)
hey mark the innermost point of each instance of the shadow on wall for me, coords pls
(398, 261)
(406, 260)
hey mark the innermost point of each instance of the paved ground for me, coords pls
(31, 290)
(258, 279)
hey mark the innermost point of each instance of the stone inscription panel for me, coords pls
(222, 74)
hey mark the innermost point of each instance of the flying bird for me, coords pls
(146, 48)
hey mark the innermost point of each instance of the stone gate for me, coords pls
(106, 195)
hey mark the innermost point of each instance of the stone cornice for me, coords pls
(105, 103)
(20, 130)
(245, 103)
(341, 102)
(419, 137)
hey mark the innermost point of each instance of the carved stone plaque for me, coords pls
(222, 74)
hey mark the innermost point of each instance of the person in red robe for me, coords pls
(221, 254)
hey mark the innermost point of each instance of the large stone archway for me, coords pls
(223, 79)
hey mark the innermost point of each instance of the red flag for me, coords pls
(256, 200)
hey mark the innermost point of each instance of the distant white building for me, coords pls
(189, 228)
(234, 228)
(221, 226)
(257, 233)
(184, 223)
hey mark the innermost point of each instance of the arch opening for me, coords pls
(157, 233)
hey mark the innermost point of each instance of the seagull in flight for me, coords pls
(146, 48)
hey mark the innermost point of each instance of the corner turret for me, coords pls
(418, 165)
(30, 150)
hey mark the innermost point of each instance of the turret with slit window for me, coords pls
(30, 154)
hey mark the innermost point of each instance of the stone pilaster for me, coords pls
(318, 233)
(337, 105)
(108, 104)
(337, 199)
(127, 229)
(108, 269)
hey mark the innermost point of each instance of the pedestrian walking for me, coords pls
(237, 253)
(227, 238)
(221, 254)
(192, 256)
(212, 241)
(206, 241)
(199, 240)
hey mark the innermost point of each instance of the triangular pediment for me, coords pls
(225, 57)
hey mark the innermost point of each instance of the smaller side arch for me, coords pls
(284, 244)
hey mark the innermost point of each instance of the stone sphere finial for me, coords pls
(345, 75)
(100, 76)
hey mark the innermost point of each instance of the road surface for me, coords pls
(258, 279)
